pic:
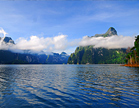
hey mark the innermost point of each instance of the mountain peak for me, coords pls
(7, 40)
(63, 53)
(111, 31)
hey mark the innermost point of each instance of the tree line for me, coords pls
(132, 56)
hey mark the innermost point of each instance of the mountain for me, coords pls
(111, 31)
(57, 58)
(91, 55)
(7, 40)
(9, 57)
(27, 57)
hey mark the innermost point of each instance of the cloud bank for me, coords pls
(61, 43)
(111, 42)
(49, 44)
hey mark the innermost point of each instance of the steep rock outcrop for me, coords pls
(111, 31)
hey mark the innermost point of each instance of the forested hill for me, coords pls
(91, 55)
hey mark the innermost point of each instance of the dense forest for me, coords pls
(132, 56)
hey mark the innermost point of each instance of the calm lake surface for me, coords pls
(40, 86)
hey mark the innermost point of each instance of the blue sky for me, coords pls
(74, 19)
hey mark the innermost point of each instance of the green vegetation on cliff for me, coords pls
(90, 55)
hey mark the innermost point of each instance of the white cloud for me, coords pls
(36, 44)
(3, 32)
(108, 42)
(60, 43)
(57, 44)
(49, 44)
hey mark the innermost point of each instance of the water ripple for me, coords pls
(68, 86)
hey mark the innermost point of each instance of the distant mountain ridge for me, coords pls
(27, 57)
(91, 55)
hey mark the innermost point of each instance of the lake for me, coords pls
(78, 86)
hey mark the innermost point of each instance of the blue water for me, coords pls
(41, 86)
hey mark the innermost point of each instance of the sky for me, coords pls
(56, 26)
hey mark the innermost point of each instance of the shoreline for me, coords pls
(130, 65)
